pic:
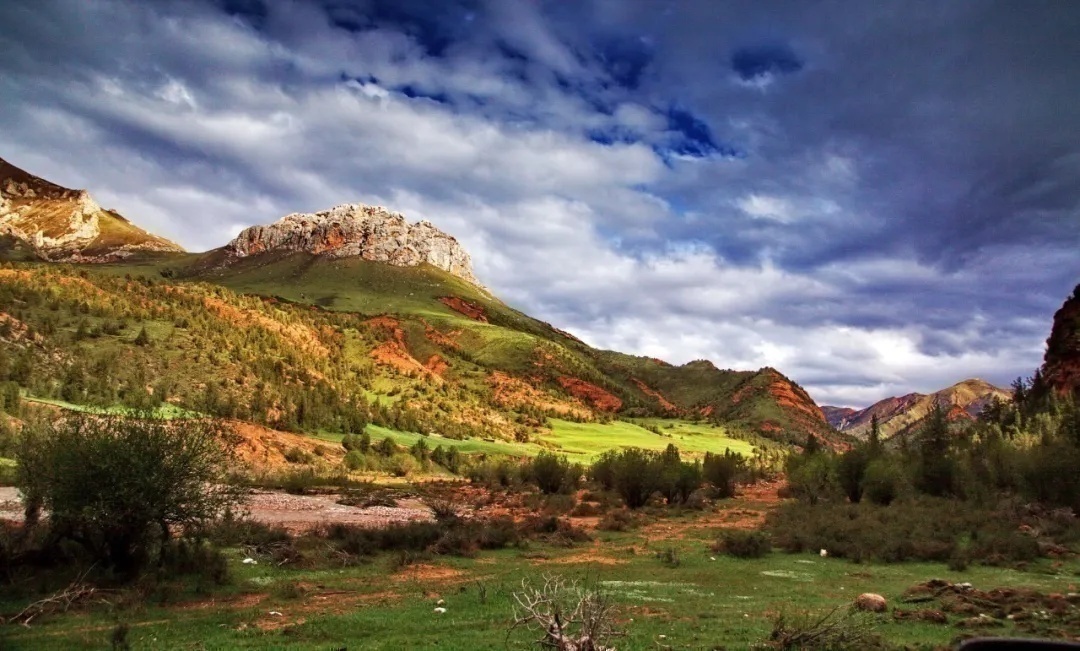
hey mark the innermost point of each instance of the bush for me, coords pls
(882, 481)
(743, 544)
(553, 473)
(355, 460)
(637, 474)
(403, 465)
(120, 487)
(619, 520)
(926, 529)
(722, 471)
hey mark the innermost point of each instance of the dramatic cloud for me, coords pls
(875, 199)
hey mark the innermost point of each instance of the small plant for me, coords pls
(669, 556)
(839, 630)
(743, 544)
(619, 520)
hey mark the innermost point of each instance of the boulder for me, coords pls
(872, 603)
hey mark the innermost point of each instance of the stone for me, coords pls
(355, 230)
(872, 603)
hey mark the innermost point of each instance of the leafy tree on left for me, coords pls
(122, 487)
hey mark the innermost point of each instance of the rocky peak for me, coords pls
(355, 230)
(62, 224)
(1061, 363)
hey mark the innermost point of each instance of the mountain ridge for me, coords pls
(897, 414)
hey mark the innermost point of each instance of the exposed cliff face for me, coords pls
(67, 225)
(354, 230)
(1061, 364)
(962, 401)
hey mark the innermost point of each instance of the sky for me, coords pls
(873, 198)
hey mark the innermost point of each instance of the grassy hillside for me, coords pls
(309, 344)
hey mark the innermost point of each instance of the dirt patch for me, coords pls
(437, 365)
(510, 391)
(472, 310)
(590, 394)
(11, 506)
(263, 448)
(299, 336)
(443, 339)
(747, 512)
(301, 513)
(426, 572)
(664, 402)
(394, 352)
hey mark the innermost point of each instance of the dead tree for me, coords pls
(568, 616)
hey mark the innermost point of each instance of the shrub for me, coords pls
(402, 465)
(882, 481)
(721, 470)
(619, 520)
(553, 473)
(743, 544)
(122, 486)
(355, 460)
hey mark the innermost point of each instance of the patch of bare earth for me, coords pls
(590, 394)
(468, 308)
(510, 391)
(746, 511)
(301, 513)
(264, 448)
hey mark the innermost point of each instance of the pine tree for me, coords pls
(143, 338)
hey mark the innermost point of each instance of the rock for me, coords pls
(824, 553)
(355, 230)
(440, 610)
(870, 602)
(250, 561)
(980, 621)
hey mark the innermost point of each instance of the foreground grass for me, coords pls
(706, 601)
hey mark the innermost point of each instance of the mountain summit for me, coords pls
(55, 223)
(355, 230)
(962, 401)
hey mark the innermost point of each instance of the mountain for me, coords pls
(39, 219)
(353, 230)
(318, 319)
(896, 415)
(1061, 363)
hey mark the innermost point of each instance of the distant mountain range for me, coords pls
(392, 312)
(896, 415)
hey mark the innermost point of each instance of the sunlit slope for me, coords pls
(497, 337)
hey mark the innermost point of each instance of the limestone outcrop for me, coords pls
(66, 225)
(355, 230)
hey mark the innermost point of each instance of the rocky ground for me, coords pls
(294, 512)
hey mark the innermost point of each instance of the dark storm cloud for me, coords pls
(874, 198)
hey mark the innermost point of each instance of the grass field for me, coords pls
(584, 441)
(708, 601)
(165, 410)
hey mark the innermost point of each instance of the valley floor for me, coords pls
(702, 600)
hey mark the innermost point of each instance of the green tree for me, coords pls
(936, 470)
(121, 487)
